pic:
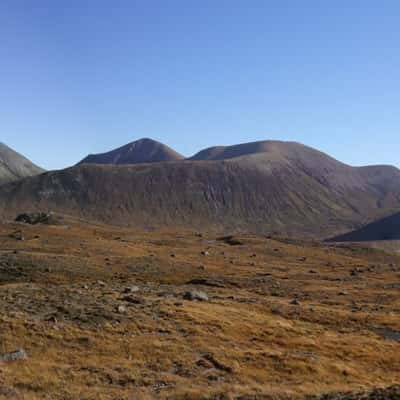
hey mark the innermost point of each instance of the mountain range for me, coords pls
(267, 186)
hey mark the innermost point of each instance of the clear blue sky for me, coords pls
(85, 76)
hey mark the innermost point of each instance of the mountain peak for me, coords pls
(144, 150)
(244, 149)
(14, 166)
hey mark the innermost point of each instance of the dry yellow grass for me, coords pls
(61, 288)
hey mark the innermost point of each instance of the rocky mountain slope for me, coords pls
(14, 166)
(139, 151)
(289, 189)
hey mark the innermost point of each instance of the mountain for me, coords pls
(287, 188)
(14, 166)
(141, 151)
(238, 150)
(384, 229)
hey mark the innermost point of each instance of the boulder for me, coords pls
(16, 355)
(195, 295)
(34, 218)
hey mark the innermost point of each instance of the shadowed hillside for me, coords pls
(384, 229)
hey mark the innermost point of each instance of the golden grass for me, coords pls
(248, 339)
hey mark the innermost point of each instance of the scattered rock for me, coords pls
(133, 300)
(230, 240)
(121, 309)
(217, 364)
(205, 253)
(52, 319)
(195, 295)
(206, 282)
(18, 235)
(35, 218)
(131, 289)
(204, 364)
(388, 333)
(355, 271)
(295, 302)
(17, 355)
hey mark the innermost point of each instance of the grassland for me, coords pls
(101, 314)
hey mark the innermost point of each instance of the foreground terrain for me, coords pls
(103, 313)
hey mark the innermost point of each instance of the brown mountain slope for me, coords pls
(140, 151)
(238, 150)
(384, 229)
(14, 166)
(296, 190)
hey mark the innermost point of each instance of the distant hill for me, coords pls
(384, 229)
(271, 186)
(238, 150)
(140, 151)
(14, 166)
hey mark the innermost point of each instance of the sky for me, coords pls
(87, 76)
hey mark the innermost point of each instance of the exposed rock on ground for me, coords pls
(195, 295)
(13, 356)
(38, 218)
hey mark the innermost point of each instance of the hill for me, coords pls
(238, 150)
(14, 166)
(140, 151)
(384, 229)
(290, 189)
